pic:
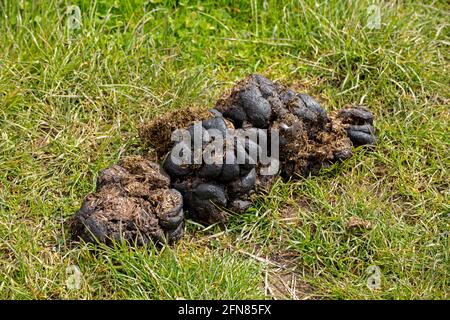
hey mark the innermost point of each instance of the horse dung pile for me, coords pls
(256, 132)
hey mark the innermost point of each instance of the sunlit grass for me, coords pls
(71, 102)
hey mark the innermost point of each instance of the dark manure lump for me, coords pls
(139, 201)
(133, 201)
(309, 139)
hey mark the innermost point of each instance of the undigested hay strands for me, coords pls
(157, 133)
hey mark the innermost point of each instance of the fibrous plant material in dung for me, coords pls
(134, 202)
(157, 133)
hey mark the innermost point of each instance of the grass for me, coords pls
(71, 102)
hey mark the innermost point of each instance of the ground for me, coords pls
(72, 101)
